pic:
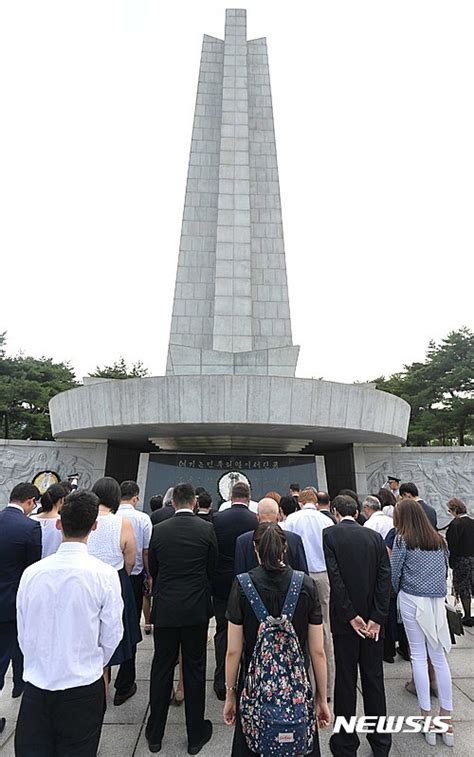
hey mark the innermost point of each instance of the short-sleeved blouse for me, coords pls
(51, 537)
(272, 587)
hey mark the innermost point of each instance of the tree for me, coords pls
(26, 386)
(440, 391)
(120, 370)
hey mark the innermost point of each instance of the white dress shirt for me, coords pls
(69, 614)
(379, 522)
(143, 529)
(310, 524)
(253, 506)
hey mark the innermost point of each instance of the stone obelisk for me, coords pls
(230, 383)
(231, 313)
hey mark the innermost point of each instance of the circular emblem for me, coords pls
(45, 479)
(226, 482)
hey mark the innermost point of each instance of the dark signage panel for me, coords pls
(216, 473)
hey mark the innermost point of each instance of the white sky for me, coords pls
(374, 119)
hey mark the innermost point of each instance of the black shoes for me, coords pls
(153, 747)
(404, 654)
(197, 747)
(121, 698)
(469, 622)
(18, 689)
(220, 693)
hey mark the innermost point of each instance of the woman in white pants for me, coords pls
(419, 574)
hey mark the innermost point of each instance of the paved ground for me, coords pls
(123, 731)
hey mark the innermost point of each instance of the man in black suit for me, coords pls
(165, 512)
(410, 491)
(324, 506)
(229, 525)
(204, 506)
(245, 557)
(20, 546)
(182, 561)
(359, 577)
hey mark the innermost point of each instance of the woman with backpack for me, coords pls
(273, 680)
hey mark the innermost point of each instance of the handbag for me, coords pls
(454, 620)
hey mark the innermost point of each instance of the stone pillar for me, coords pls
(360, 471)
(321, 473)
(141, 479)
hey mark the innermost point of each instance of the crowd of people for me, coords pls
(306, 593)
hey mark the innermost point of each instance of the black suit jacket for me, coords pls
(359, 575)
(430, 512)
(182, 559)
(158, 516)
(329, 515)
(20, 546)
(229, 525)
(206, 516)
(246, 559)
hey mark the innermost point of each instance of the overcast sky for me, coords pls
(374, 119)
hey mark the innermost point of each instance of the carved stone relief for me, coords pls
(22, 463)
(439, 475)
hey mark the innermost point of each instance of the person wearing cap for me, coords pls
(393, 483)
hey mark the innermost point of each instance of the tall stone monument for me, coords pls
(230, 390)
(231, 312)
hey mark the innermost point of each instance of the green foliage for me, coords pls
(26, 386)
(440, 391)
(120, 370)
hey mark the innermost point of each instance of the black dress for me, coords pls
(272, 587)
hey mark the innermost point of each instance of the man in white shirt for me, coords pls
(310, 525)
(125, 684)
(376, 519)
(72, 601)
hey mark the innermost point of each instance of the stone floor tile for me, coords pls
(133, 711)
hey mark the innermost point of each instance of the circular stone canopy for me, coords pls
(229, 412)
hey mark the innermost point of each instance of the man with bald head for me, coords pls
(245, 557)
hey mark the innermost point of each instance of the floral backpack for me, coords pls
(276, 705)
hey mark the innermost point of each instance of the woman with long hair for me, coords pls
(113, 542)
(51, 502)
(460, 538)
(419, 574)
(387, 500)
(271, 579)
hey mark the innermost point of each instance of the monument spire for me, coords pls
(231, 311)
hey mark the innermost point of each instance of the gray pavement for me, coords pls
(123, 731)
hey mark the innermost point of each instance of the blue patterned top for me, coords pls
(420, 572)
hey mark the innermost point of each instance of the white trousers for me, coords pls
(420, 647)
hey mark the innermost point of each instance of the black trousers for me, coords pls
(10, 652)
(127, 671)
(220, 642)
(193, 642)
(60, 723)
(351, 651)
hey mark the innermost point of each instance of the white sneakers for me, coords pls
(448, 738)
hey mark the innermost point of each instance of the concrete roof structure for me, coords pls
(202, 413)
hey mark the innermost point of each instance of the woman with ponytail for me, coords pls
(51, 536)
(271, 579)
